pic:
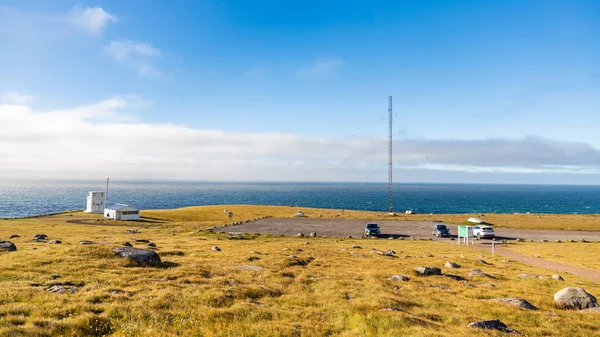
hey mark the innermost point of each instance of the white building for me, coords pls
(96, 201)
(121, 212)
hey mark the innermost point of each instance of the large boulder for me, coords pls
(427, 271)
(141, 256)
(450, 264)
(7, 246)
(575, 298)
(517, 302)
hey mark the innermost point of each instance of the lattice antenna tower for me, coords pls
(391, 210)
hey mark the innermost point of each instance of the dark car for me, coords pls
(441, 230)
(372, 229)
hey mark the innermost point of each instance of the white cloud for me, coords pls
(138, 55)
(321, 68)
(15, 98)
(91, 19)
(100, 139)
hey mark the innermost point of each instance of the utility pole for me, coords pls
(391, 210)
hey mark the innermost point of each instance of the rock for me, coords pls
(284, 249)
(349, 237)
(381, 252)
(477, 272)
(14, 236)
(575, 298)
(313, 234)
(392, 309)
(86, 242)
(454, 277)
(492, 325)
(151, 244)
(399, 278)
(252, 268)
(469, 285)
(517, 302)
(307, 243)
(40, 237)
(489, 285)
(293, 257)
(54, 242)
(216, 248)
(300, 235)
(142, 241)
(395, 288)
(482, 262)
(450, 264)
(429, 255)
(356, 246)
(7, 246)
(255, 252)
(520, 240)
(523, 275)
(427, 271)
(127, 244)
(557, 277)
(61, 289)
(462, 256)
(40, 240)
(141, 256)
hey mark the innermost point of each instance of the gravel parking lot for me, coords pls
(406, 229)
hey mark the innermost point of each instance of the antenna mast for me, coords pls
(390, 154)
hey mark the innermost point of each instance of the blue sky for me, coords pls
(254, 82)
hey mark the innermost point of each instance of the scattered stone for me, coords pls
(300, 235)
(523, 275)
(557, 241)
(575, 298)
(391, 309)
(537, 256)
(541, 277)
(255, 252)
(86, 242)
(517, 302)
(127, 244)
(356, 246)
(507, 261)
(61, 289)
(494, 324)
(216, 248)
(349, 237)
(55, 276)
(307, 243)
(151, 244)
(141, 256)
(142, 241)
(582, 240)
(450, 264)
(482, 261)
(469, 285)
(557, 277)
(520, 240)
(40, 240)
(40, 237)
(399, 278)
(454, 277)
(553, 314)
(477, 272)
(429, 255)
(54, 242)
(462, 256)
(14, 236)
(293, 257)
(116, 292)
(427, 271)
(252, 268)
(489, 285)
(7, 246)
(544, 240)
(395, 288)
(381, 252)
(313, 234)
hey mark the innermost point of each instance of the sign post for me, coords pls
(465, 232)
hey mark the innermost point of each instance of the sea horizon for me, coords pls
(36, 197)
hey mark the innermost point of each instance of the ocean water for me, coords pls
(19, 199)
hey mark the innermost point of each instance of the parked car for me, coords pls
(441, 230)
(372, 229)
(486, 232)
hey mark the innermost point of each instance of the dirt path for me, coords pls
(593, 275)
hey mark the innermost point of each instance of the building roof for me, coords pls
(117, 207)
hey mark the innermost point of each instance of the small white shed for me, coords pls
(121, 212)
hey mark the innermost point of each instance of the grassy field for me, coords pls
(577, 254)
(329, 289)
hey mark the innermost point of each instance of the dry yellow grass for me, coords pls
(577, 254)
(331, 289)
